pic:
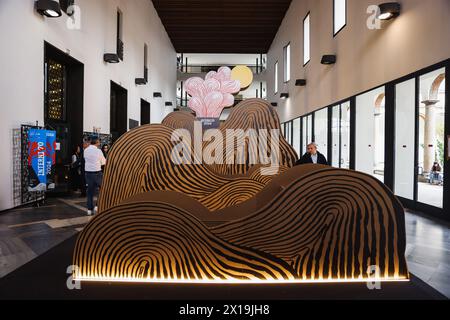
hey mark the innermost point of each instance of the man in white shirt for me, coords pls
(94, 160)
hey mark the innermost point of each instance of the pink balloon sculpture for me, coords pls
(210, 96)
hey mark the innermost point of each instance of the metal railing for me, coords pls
(256, 69)
(183, 102)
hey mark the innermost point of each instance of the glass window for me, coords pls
(306, 132)
(288, 132)
(340, 15)
(336, 136)
(296, 135)
(370, 133)
(405, 117)
(307, 39)
(275, 78)
(321, 131)
(120, 34)
(431, 140)
(340, 135)
(287, 62)
(345, 135)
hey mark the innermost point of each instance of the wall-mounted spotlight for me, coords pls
(328, 59)
(48, 8)
(284, 96)
(300, 82)
(140, 81)
(169, 103)
(274, 104)
(389, 10)
(111, 58)
(157, 95)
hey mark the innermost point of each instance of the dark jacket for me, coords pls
(306, 159)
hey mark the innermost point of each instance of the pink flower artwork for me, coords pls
(210, 96)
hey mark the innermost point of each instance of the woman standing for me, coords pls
(75, 169)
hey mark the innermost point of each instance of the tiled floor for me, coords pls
(428, 251)
(27, 233)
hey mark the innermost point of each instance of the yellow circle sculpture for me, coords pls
(244, 75)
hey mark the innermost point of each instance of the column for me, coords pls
(429, 152)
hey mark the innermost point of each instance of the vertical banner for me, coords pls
(41, 159)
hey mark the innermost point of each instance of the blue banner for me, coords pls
(41, 159)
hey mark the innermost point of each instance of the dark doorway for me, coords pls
(145, 112)
(63, 108)
(118, 111)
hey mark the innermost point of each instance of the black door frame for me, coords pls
(70, 129)
(414, 204)
(389, 175)
(122, 123)
(148, 117)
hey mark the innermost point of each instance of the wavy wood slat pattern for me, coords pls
(140, 161)
(162, 222)
(325, 225)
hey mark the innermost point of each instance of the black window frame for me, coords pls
(303, 37)
(335, 33)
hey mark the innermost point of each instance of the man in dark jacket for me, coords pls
(312, 156)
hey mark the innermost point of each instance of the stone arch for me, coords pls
(434, 90)
(379, 103)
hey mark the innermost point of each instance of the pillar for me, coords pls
(429, 152)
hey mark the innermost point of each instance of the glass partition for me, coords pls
(307, 132)
(321, 131)
(340, 135)
(431, 139)
(405, 118)
(335, 135)
(296, 135)
(370, 133)
(345, 135)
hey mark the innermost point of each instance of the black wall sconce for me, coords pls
(284, 96)
(140, 81)
(144, 80)
(111, 58)
(328, 59)
(169, 103)
(389, 10)
(274, 104)
(48, 8)
(157, 95)
(300, 82)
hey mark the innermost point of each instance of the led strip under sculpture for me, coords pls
(161, 222)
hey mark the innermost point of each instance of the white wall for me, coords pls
(23, 33)
(365, 58)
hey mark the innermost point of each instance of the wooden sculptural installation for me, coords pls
(228, 223)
